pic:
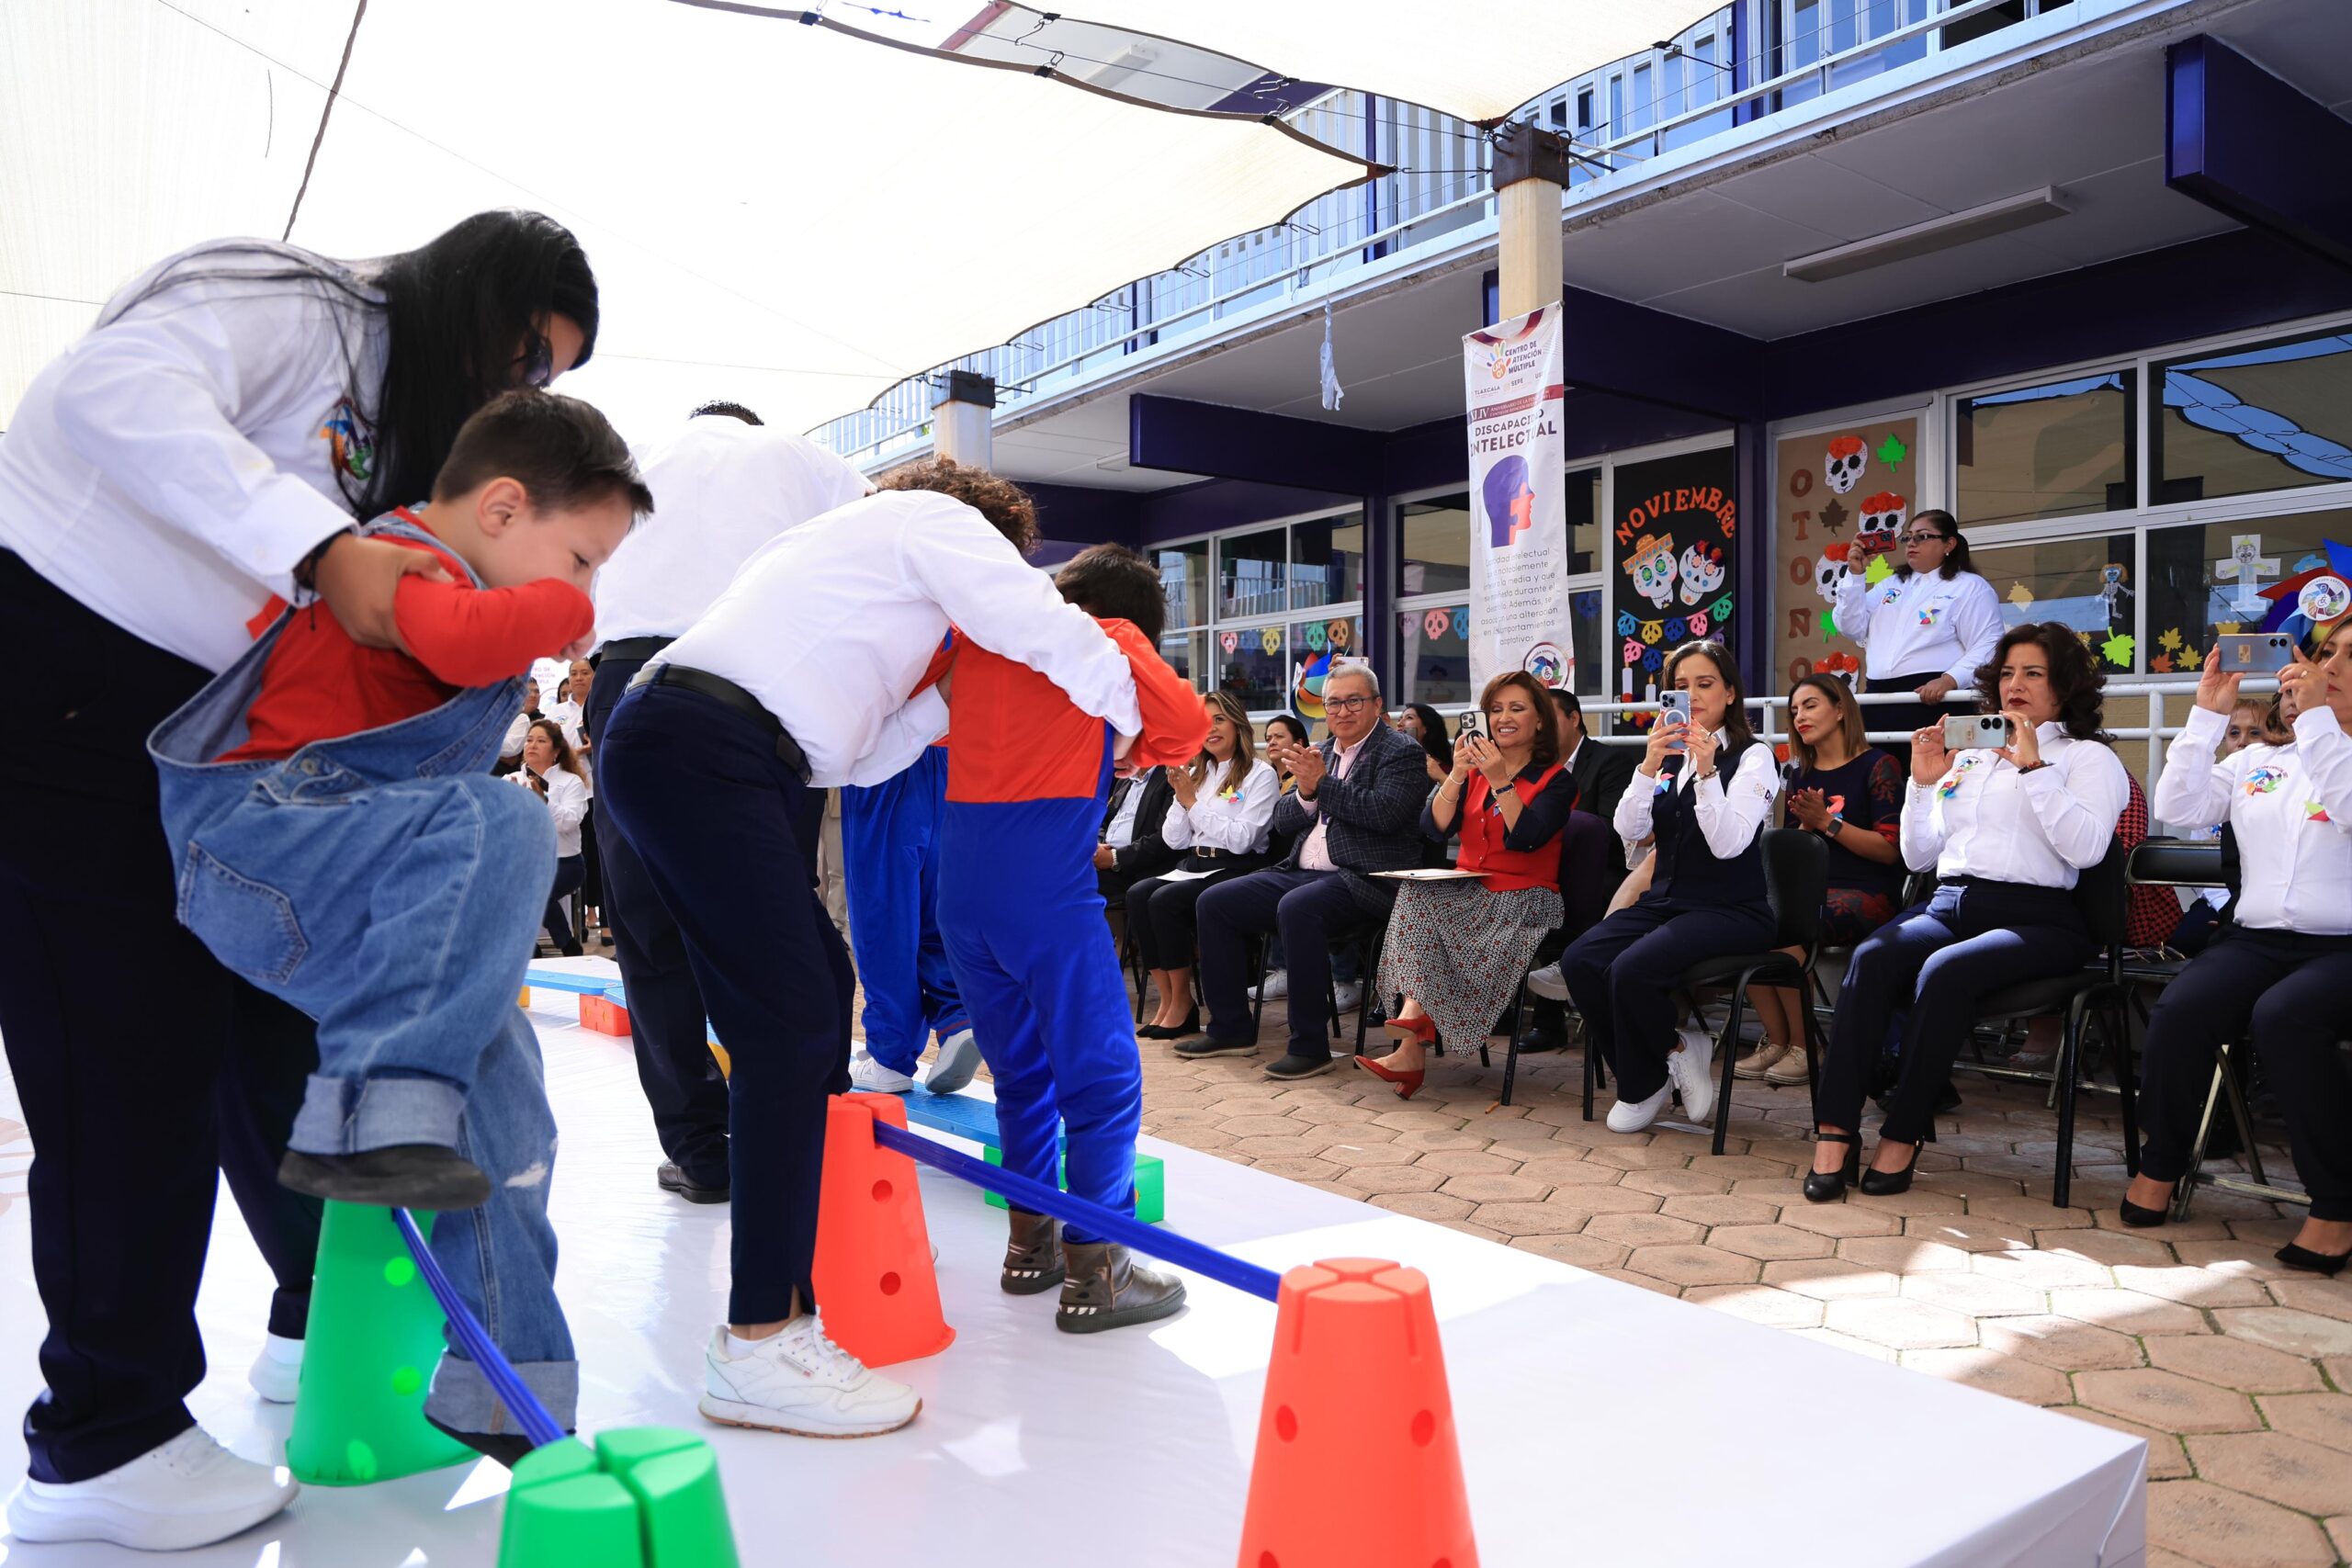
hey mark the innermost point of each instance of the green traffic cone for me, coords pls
(645, 1498)
(367, 1359)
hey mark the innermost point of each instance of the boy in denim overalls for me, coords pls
(340, 841)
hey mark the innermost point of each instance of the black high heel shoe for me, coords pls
(1828, 1186)
(1887, 1183)
(1192, 1025)
(2312, 1262)
(2144, 1219)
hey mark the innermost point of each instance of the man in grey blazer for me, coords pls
(1357, 810)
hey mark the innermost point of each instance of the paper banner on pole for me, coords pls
(1519, 521)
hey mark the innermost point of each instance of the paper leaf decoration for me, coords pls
(1892, 451)
(1828, 624)
(2118, 650)
(1833, 516)
(2021, 596)
(2161, 664)
(1878, 571)
(2226, 628)
(2171, 641)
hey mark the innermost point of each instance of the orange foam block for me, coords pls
(604, 1016)
(1356, 1386)
(873, 1268)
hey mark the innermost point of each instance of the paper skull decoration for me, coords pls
(1843, 468)
(1832, 569)
(1702, 571)
(1652, 569)
(1883, 515)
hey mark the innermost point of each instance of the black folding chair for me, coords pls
(1796, 879)
(1585, 890)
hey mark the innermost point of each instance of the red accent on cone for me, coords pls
(872, 1271)
(1356, 1387)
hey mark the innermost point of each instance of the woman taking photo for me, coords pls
(1852, 794)
(1456, 950)
(207, 444)
(2282, 962)
(556, 771)
(1224, 799)
(2008, 832)
(1925, 630)
(1699, 799)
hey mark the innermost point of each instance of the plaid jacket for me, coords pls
(1374, 813)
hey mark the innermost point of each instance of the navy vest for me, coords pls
(1687, 872)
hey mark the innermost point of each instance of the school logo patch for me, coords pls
(2265, 781)
(2314, 812)
(351, 443)
(1950, 786)
(1930, 614)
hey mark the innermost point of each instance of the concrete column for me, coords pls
(1530, 169)
(962, 419)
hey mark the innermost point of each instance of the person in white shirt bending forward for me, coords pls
(2008, 832)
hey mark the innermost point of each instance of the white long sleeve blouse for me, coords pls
(2291, 806)
(1232, 819)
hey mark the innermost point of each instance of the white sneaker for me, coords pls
(190, 1492)
(1633, 1115)
(277, 1372)
(1691, 1070)
(958, 1059)
(799, 1382)
(1277, 987)
(1346, 996)
(1549, 983)
(871, 1077)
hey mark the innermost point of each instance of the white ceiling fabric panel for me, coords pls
(778, 213)
(1478, 59)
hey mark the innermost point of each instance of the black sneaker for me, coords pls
(1200, 1046)
(674, 1179)
(1536, 1042)
(506, 1448)
(405, 1175)
(1302, 1067)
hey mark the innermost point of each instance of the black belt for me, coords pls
(720, 689)
(639, 648)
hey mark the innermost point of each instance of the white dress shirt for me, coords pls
(721, 490)
(832, 623)
(1984, 818)
(1236, 820)
(567, 801)
(1316, 853)
(1922, 625)
(1121, 832)
(2291, 806)
(172, 468)
(1729, 817)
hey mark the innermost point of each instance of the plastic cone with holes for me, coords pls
(872, 1271)
(1356, 1386)
(367, 1359)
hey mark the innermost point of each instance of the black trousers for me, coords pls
(716, 818)
(570, 874)
(1309, 909)
(668, 1028)
(1934, 962)
(1622, 974)
(132, 1111)
(1163, 914)
(2292, 989)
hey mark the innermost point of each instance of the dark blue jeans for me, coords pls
(1309, 909)
(1623, 974)
(719, 820)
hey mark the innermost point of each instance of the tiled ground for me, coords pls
(2236, 1370)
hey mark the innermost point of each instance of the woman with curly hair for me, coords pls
(2008, 830)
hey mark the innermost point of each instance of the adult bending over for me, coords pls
(2008, 832)
(1925, 630)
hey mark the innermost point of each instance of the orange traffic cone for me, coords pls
(873, 1268)
(1357, 1386)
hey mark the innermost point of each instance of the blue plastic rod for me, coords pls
(538, 1424)
(1092, 1218)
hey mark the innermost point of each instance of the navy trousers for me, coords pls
(890, 853)
(717, 818)
(1309, 909)
(668, 1028)
(1623, 972)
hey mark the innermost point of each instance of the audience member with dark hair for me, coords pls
(1600, 773)
(559, 778)
(1426, 725)
(1928, 628)
(2008, 830)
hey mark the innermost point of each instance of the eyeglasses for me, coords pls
(536, 363)
(1347, 705)
(1925, 538)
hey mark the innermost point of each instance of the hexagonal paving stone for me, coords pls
(1637, 1157)
(1263, 1125)
(2034, 1214)
(1840, 1220)
(2322, 1419)
(1565, 1169)
(2233, 1363)
(1674, 1183)
(2285, 1328)
(1918, 1201)
(1829, 1279)
(1370, 1178)
(2167, 1458)
(2062, 1342)
(1769, 1242)
(1903, 1254)
(2166, 1401)
(1901, 1325)
(2191, 1287)
(1435, 1206)
(2328, 1298)
(2012, 1377)
(1302, 1169)
(1419, 1120)
(1969, 1233)
(1847, 1343)
(1645, 1230)
(1725, 1209)
(1458, 1138)
(2128, 1311)
(1685, 1265)
(1566, 1209)
(2040, 1271)
(1577, 1251)
(1972, 1293)
(1465, 1162)
(1766, 1304)
(1267, 1149)
(2276, 1468)
(2108, 1247)
(2236, 1257)
(1482, 1189)
(1206, 1139)
(2339, 1530)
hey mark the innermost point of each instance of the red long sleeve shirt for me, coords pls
(1018, 735)
(319, 684)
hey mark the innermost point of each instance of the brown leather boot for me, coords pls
(1033, 1258)
(1107, 1288)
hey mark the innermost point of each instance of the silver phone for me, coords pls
(1473, 722)
(1965, 732)
(2259, 653)
(1675, 709)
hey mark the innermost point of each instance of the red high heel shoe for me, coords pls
(1424, 1028)
(1404, 1083)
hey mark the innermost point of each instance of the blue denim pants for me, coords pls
(385, 884)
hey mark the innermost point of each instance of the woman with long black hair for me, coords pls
(206, 446)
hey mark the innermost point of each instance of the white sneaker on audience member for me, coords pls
(1549, 983)
(1633, 1115)
(958, 1059)
(1691, 1070)
(1277, 987)
(1348, 995)
(797, 1380)
(189, 1492)
(277, 1372)
(871, 1077)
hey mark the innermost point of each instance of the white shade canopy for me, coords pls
(788, 215)
(1476, 59)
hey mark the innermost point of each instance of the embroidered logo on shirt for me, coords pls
(2314, 812)
(1665, 783)
(1951, 784)
(352, 445)
(1927, 616)
(2265, 781)
(1230, 793)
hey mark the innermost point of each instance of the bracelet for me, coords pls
(306, 570)
(2033, 767)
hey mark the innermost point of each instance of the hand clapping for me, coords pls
(1811, 808)
(1182, 783)
(1306, 766)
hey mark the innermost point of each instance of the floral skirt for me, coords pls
(1850, 914)
(1460, 951)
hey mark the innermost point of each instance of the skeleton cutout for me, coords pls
(2111, 592)
(1843, 468)
(1702, 571)
(1883, 515)
(1653, 569)
(1831, 571)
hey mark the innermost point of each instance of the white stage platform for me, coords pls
(1601, 1424)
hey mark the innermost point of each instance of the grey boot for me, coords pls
(1107, 1288)
(1033, 1258)
(958, 1060)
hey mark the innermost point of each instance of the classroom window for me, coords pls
(1252, 663)
(1327, 562)
(2061, 449)
(1252, 572)
(2085, 582)
(1184, 581)
(1187, 654)
(2269, 416)
(2197, 584)
(1434, 645)
(1435, 557)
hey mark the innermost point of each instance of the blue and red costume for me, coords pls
(1028, 775)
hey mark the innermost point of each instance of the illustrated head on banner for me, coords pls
(1509, 495)
(2313, 603)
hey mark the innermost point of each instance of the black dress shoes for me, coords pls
(673, 1179)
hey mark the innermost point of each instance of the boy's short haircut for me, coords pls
(1006, 505)
(561, 451)
(1112, 581)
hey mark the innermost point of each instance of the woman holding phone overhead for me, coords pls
(2008, 831)
(1925, 630)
